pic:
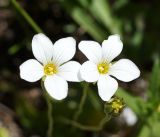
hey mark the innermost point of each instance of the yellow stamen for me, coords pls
(114, 106)
(103, 67)
(50, 69)
(117, 106)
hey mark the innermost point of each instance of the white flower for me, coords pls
(52, 64)
(129, 116)
(100, 69)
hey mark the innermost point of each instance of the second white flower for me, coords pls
(100, 69)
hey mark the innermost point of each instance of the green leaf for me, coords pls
(101, 10)
(154, 87)
(26, 16)
(14, 49)
(83, 18)
(151, 126)
(145, 131)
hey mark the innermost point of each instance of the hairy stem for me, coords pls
(49, 114)
(81, 104)
(86, 127)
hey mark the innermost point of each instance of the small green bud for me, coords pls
(114, 106)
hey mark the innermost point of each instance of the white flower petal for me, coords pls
(56, 87)
(70, 71)
(64, 50)
(112, 47)
(107, 86)
(89, 72)
(42, 48)
(129, 116)
(92, 50)
(31, 70)
(124, 70)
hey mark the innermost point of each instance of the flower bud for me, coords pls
(114, 106)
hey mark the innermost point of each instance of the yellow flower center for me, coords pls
(114, 106)
(50, 69)
(117, 106)
(103, 67)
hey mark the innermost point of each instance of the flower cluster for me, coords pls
(54, 65)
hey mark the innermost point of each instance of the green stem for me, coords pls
(81, 104)
(26, 16)
(85, 127)
(49, 114)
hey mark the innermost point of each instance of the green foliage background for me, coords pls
(138, 24)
